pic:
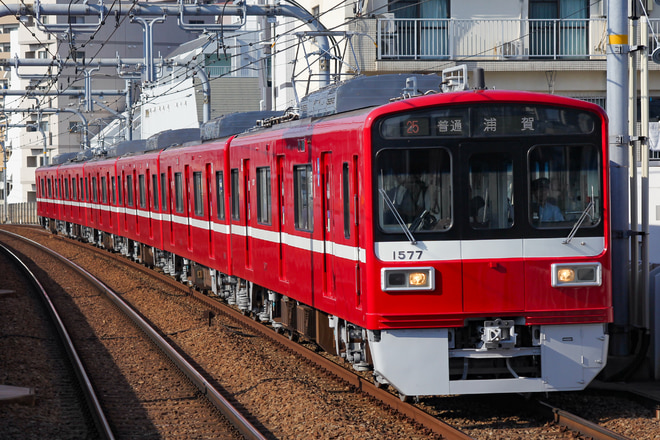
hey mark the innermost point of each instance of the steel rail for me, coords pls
(93, 403)
(583, 426)
(244, 426)
(412, 412)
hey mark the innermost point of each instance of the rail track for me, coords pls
(114, 404)
(361, 383)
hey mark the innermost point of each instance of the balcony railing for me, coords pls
(492, 39)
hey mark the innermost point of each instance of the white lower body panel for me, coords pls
(416, 362)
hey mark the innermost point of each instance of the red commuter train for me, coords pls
(454, 243)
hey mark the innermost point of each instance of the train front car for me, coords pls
(490, 270)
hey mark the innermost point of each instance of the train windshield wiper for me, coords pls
(397, 216)
(579, 222)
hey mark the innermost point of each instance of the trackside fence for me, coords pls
(19, 213)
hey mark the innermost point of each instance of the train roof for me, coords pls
(233, 123)
(366, 91)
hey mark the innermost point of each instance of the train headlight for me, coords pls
(577, 274)
(414, 278)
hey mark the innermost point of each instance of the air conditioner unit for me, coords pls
(511, 49)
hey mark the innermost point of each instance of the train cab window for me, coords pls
(178, 192)
(143, 191)
(490, 191)
(263, 196)
(198, 193)
(564, 185)
(104, 190)
(113, 190)
(129, 190)
(220, 195)
(303, 197)
(163, 191)
(414, 190)
(235, 202)
(154, 186)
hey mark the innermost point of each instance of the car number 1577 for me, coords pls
(407, 255)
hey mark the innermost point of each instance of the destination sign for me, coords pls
(489, 121)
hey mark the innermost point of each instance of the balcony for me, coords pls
(492, 39)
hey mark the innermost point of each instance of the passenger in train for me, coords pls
(543, 208)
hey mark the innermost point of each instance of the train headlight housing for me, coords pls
(577, 274)
(412, 278)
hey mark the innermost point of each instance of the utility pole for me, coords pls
(617, 110)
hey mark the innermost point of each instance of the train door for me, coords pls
(246, 202)
(170, 204)
(280, 215)
(187, 212)
(352, 229)
(147, 202)
(328, 225)
(490, 247)
(208, 212)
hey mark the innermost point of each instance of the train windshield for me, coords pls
(415, 189)
(565, 185)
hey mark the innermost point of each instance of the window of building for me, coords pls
(178, 192)
(235, 205)
(263, 196)
(31, 161)
(303, 197)
(198, 193)
(220, 195)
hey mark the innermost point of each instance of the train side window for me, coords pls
(197, 193)
(50, 188)
(220, 195)
(86, 189)
(113, 190)
(74, 188)
(66, 188)
(120, 184)
(235, 205)
(346, 201)
(264, 197)
(42, 185)
(163, 192)
(154, 186)
(143, 191)
(303, 197)
(129, 189)
(178, 192)
(94, 189)
(104, 189)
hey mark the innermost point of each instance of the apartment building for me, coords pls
(551, 46)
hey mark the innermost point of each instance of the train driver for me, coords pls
(543, 209)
